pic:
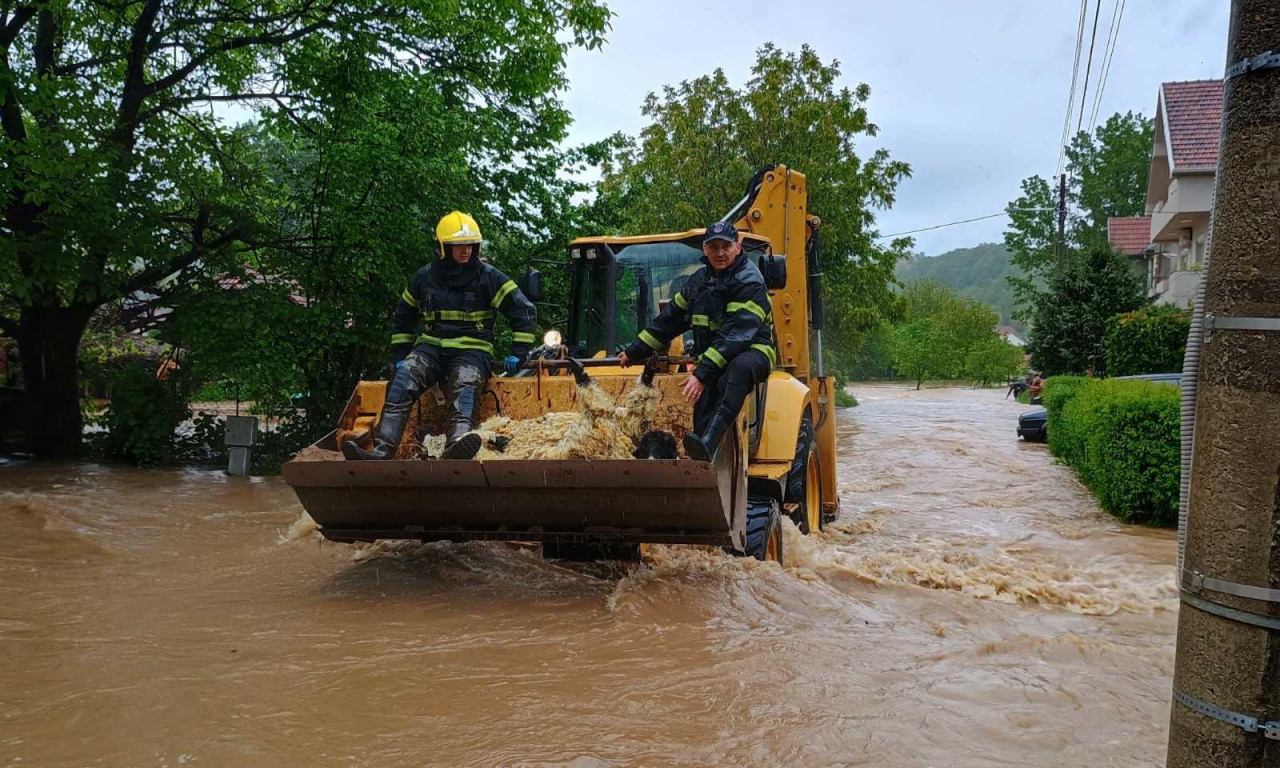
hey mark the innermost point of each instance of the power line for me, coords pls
(1005, 212)
(1117, 16)
(1084, 96)
(1071, 94)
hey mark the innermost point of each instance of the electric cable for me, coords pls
(1084, 95)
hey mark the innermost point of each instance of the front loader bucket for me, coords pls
(572, 501)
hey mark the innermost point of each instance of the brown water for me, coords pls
(971, 607)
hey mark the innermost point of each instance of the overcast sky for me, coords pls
(971, 93)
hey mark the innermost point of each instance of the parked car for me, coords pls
(1033, 426)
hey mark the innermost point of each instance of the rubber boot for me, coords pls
(464, 446)
(413, 377)
(705, 446)
(465, 382)
(386, 441)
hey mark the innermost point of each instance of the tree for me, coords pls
(1107, 176)
(705, 138)
(1071, 322)
(920, 349)
(875, 355)
(993, 359)
(940, 332)
(119, 179)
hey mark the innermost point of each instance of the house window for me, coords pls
(1200, 248)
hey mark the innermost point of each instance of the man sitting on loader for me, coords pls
(457, 296)
(727, 305)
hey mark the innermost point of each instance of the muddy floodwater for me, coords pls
(972, 607)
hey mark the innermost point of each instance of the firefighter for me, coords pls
(727, 306)
(458, 297)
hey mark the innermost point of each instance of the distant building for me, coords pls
(1184, 161)
(1011, 335)
(1131, 236)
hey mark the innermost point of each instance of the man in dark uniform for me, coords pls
(727, 306)
(458, 296)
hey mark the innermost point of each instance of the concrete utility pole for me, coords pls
(1226, 709)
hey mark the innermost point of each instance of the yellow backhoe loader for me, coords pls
(780, 460)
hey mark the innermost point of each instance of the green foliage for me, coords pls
(944, 336)
(1108, 172)
(1058, 391)
(992, 359)
(215, 392)
(921, 350)
(843, 398)
(705, 138)
(1150, 340)
(372, 120)
(979, 273)
(875, 355)
(142, 416)
(1122, 437)
(1071, 320)
(1107, 176)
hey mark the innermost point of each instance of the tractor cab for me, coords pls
(619, 284)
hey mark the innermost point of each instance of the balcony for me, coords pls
(1187, 206)
(1178, 288)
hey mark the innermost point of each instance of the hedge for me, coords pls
(1150, 340)
(1122, 439)
(1057, 391)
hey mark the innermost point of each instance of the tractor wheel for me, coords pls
(804, 480)
(764, 530)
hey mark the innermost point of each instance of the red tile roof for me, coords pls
(1130, 235)
(1193, 114)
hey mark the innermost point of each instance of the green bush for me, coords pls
(1150, 340)
(1122, 439)
(142, 416)
(215, 392)
(1058, 390)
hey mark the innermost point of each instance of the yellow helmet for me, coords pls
(457, 228)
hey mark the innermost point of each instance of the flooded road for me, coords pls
(972, 607)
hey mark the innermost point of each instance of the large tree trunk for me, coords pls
(49, 342)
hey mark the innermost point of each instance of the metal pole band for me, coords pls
(1270, 729)
(1194, 581)
(1215, 323)
(1267, 60)
(1244, 617)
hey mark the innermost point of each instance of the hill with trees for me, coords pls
(977, 273)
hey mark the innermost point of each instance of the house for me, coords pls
(1184, 161)
(1131, 236)
(1011, 335)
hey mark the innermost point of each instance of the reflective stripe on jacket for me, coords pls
(729, 312)
(459, 307)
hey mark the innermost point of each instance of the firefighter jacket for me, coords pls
(729, 312)
(458, 304)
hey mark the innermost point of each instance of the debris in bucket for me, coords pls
(599, 429)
